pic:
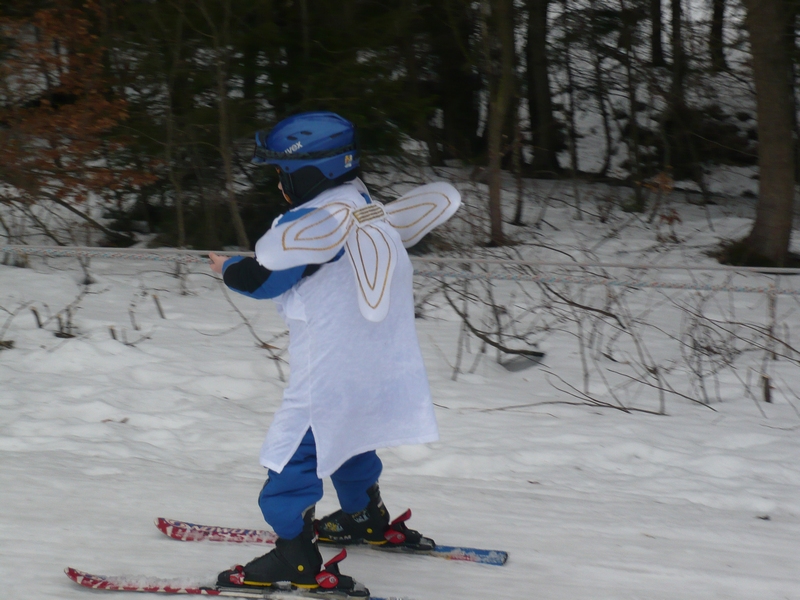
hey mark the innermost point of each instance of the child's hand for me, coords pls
(216, 262)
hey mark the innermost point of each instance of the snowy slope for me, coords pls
(98, 437)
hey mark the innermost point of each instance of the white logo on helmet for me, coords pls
(293, 148)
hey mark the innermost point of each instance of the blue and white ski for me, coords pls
(191, 532)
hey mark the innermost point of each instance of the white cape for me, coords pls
(357, 376)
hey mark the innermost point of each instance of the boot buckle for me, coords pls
(395, 537)
(328, 578)
(395, 534)
(236, 575)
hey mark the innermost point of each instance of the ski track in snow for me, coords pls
(97, 438)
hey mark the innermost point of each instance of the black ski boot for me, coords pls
(372, 526)
(294, 563)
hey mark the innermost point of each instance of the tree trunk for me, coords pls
(175, 178)
(220, 39)
(516, 161)
(571, 108)
(227, 157)
(770, 236)
(250, 73)
(678, 55)
(601, 93)
(306, 27)
(423, 128)
(793, 11)
(450, 28)
(657, 49)
(634, 158)
(499, 29)
(543, 128)
(172, 152)
(716, 45)
(210, 238)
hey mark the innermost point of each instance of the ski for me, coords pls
(191, 532)
(155, 585)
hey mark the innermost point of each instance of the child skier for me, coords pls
(336, 266)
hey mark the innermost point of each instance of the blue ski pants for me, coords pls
(286, 495)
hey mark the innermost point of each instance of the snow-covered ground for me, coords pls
(99, 437)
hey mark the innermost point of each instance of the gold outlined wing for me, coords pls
(315, 234)
(314, 237)
(417, 212)
(373, 256)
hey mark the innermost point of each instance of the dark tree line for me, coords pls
(500, 83)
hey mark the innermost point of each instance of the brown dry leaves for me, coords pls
(60, 109)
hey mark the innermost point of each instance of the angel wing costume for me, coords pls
(357, 376)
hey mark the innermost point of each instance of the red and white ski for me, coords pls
(155, 585)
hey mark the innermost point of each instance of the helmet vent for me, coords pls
(306, 132)
(291, 137)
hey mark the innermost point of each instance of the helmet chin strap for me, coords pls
(287, 187)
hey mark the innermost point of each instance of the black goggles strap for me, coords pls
(266, 155)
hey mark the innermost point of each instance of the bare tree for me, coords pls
(540, 103)
(498, 39)
(220, 37)
(716, 44)
(678, 55)
(769, 239)
(657, 49)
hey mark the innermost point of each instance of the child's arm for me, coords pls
(246, 276)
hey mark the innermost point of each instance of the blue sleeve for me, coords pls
(246, 276)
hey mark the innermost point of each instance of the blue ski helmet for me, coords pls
(313, 151)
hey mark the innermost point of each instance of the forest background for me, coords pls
(150, 107)
(618, 411)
